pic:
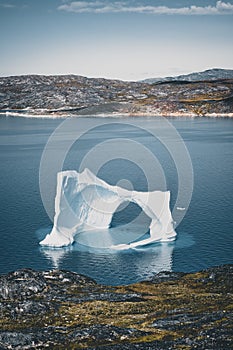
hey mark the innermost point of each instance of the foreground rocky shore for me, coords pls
(64, 310)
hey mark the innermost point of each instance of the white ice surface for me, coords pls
(84, 203)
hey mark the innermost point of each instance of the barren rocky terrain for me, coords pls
(69, 95)
(64, 310)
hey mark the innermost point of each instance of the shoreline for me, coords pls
(41, 115)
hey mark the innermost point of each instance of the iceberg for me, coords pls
(85, 204)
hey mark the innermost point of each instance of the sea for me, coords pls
(190, 157)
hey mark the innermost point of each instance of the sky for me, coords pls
(128, 39)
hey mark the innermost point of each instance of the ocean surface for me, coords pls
(122, 153)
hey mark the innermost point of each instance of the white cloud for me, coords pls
(221, 8)
(7, 6)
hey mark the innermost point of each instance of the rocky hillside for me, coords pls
(209, 74)
(64, 310)
(72, 95)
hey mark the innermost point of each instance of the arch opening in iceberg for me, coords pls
(85, 205)
(129, 212)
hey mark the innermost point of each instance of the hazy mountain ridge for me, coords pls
(73, 94)
(209, 74)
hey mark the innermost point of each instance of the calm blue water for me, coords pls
(204, 237)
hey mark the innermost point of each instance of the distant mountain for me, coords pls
(71, 95)
(209, 74)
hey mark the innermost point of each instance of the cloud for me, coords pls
(7, 6)
(221, 8)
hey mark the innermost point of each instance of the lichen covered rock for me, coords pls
(64, 310)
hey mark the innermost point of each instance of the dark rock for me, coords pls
(180, 321)
(96, 334)
(21, 284)
(154, 345)
(64, 310)
(106, 333)
(164, 276)
(25, 308)
(25, 283)
(30, 339)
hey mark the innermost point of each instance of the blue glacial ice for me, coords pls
(85, 205)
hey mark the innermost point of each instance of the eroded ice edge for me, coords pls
(85, 204)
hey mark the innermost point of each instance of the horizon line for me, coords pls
(102, 77)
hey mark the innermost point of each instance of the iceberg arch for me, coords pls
(85, 203)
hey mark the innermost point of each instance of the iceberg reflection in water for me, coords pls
(110, 267)
(84, 208)
(116, 267)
